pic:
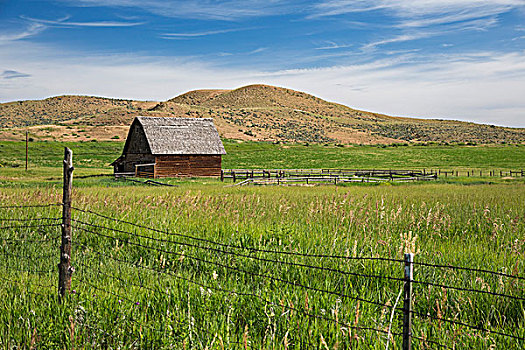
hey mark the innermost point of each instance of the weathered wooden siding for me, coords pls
(136, 150)
(137, 142)
(187, 165)
(134, 158)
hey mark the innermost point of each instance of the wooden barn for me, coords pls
(169, 147)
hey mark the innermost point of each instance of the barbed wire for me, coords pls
(253, 249)
(35, 272)
(30, 206)
(431, 342)
(296, 284)
(134, 302)
(32, 282)
(30, 219)
(27, 226)
(27, 291)
(468, 269)
(228, 291)
(29, 240)
(343, 272)
(482, 329)
(468, 290)
(30, 257)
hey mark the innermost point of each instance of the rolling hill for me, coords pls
(254, 112)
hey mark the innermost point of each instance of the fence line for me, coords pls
(495, 273)
(139, 286)
(295, 284)
(253, 295)
(482, 329)
(468, 290)
(251, 249)
(160, 250)
(30, 206)
(243, 255)
(28, 226)
(29, 219)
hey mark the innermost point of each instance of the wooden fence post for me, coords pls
(407, 304)
(27, 148)
(222, 175)
(64, 268)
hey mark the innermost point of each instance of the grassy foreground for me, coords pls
(138, 292)
(139, 288)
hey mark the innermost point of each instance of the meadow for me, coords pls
(233, 268)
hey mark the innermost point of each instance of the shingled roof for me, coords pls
(169, 135)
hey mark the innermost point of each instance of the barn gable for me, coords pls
(136, 142)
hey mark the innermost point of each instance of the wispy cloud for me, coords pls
(483, 87)
(333, 46)
(200, 9)
(13, 74)
(31, 30)
(199, 34)
(258, 50)
(395, 39)
(64, 22)
(419, 12)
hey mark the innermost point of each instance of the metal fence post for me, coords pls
(64, 268)
(407, 304)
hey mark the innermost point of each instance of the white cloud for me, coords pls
(13, 74)
(29, 31)
(482, 87)
(330, 45)
(396, 39)
(199, 9)
(63, 22)
(420, 12)
(199, 34)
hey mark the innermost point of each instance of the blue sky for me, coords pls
(449, 59)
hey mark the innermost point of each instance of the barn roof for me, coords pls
(169, 135)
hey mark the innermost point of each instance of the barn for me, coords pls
(170, 147)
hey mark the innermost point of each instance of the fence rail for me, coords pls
(282, 176)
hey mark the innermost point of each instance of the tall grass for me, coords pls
(139, 292)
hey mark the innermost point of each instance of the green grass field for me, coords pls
(138, 288)
(267, 155)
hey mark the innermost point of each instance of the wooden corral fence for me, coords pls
(372, 175)
(482, 173)
(311, 176)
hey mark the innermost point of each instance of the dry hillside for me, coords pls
(254, 112)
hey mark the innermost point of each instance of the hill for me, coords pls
(254, 112)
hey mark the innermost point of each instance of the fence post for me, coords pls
(407, 304)
(64, 268)
(222, 175)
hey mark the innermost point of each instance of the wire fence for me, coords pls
(126, 271)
